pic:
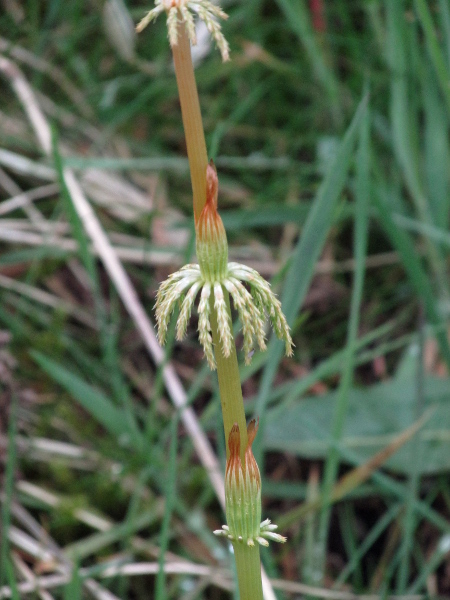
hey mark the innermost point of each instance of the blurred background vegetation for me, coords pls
(330, 130)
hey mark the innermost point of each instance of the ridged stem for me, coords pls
(248, 566)
(192, 118)
(248, 562)
(229, 384)
(227, 368)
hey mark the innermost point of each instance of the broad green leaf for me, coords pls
(375, 416)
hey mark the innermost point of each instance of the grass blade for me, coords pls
(410, 520)
(370, 538)
(92, 400)
(360, 250)
(444, 10)
(405, 122)
(306, 254)
(437, 154)
(435, 52)
(412, 265)
(73, 590)
(160, 592)
(438, 235)
(404, 128)
(12, 581)
(8, 490)
(298, 18)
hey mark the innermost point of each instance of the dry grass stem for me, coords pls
(29, 58)
(123, 285)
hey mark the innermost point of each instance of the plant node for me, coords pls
(213, 275)
(243, 495)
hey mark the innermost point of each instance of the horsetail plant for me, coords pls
(216, 279)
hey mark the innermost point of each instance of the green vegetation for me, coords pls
(331, 139)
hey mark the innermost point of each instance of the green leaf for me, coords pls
(375, 416)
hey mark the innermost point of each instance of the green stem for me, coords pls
(227, 368)
(229, 384)
(248, 562)
(248, 566)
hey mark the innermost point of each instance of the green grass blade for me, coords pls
(444, 10)
(349, 531)
(87, 546)
(404, 127)
(439, 555)
(412, 265)
(405, 116)
(242, 108)
(298, 18)
(92, 400)
(306, 254)
(360, 251)
(370, 538)
(8, 489)
(73, 590)
(12, 580)
(160, 592)
(436, 234)
(434, 50)
(410, 519)
(437, 152)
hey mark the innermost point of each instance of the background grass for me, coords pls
(330, 130)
